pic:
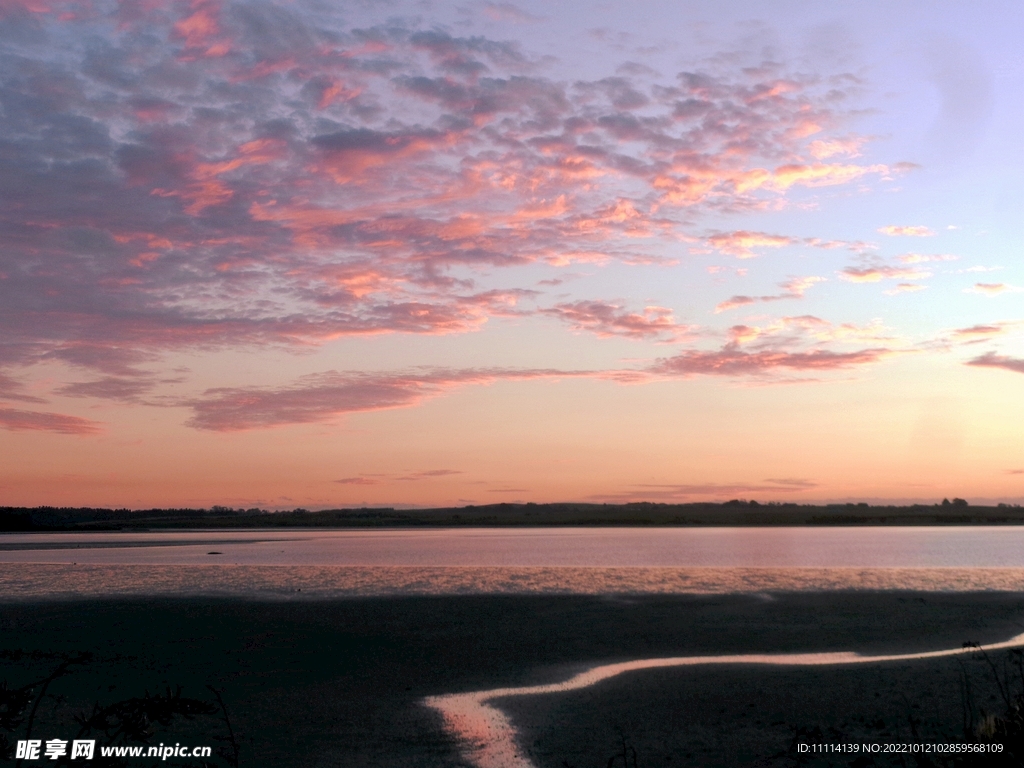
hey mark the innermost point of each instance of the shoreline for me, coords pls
(647, 514)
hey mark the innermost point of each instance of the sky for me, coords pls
(326, 254)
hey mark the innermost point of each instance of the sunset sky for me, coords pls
(333, 253)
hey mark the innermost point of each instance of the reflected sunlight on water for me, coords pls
(20, 582)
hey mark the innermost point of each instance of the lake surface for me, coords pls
(528, 560)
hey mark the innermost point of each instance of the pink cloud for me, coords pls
(803, 332)
(978, 333)
(276, 176)
(821, 175)
(737, 301)
(857, 246)
(324, 396)
(508, 12)
(797, 286)
(605, 320)
(36, 421)
(201, 29)
(877, 273)
(378, 479)
(992, 289)
(740, 243)
(430, 473)
(11, 389)
(10, 7)
(992, 360)
(732, 361)
(109, 388)
(921, 258)
(791, 289)
(314, 398)
(849, 147)
(802, 343)
(894, 230)
(904, 288)
(499, 303)
(791, 344)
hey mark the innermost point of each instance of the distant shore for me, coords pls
(730, 513)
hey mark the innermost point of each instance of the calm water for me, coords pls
(568, 560)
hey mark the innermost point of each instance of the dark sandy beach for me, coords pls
(339, 683)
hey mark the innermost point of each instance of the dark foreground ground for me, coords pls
(338, 683)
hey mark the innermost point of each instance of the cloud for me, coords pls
(360, 480)
(378, 479)
(802, 331)
(788, 345)
(857, 246)
(508, 12)
(740, 301)
(740, 243)
(201, 31)
(732, 361)
(635, 68)
(849, 147)
(271, 174)
(325, 396)
(36, 421)
(792, 482)
(792, 289)
(670, 492)
(877, 273)
(606, 320)
(430, 473)
(983, 332)
(992, 360)
(992, 289)
(791, 344)
(110, 388)
(818, 175)
(894, 230)
(904, 288)
(921, 258)
(11, 389)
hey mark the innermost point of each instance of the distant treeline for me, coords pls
(736, 512)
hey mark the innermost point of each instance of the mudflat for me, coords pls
(340, 682)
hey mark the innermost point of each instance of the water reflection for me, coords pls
(863, 547)
(488, 738)
(23, 582)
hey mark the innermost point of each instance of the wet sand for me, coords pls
(341, 682)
